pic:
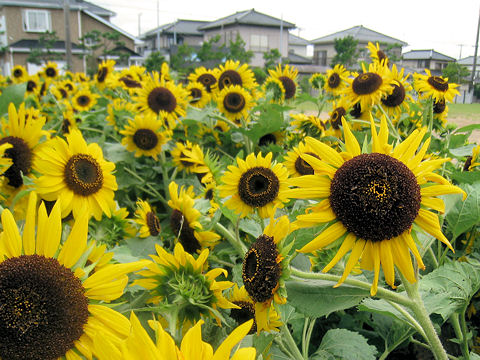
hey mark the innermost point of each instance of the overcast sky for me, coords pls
(446, 26)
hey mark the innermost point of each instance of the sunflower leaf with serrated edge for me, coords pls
(347, 345)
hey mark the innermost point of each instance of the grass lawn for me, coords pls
(467, 111)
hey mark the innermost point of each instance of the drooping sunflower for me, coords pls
(376, 54)
(205, 77)
(270, 320)
(162, 98)
(369, 87)
(50, 299)
(146, 218)
(440, 111)
(179, 280)
(255, 184)
(372, 200)
(340, 108)
(472, 161)
(198, 96)
(295, 164)
(232, 73)
(397, 102)
(336, 79)
(144, 136)
(288, 77)
(105, 70)
(24, 134)
(77, 174)
(19, 74)
(317, 81)
(234, 102)
(184, 221)
(189, 157)
(274, 88)
(50, 70)
(308, 124)
(436, 87)
(139, 345)
(84, 100)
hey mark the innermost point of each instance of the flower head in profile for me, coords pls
(372, 200)
(396, 103)
(255, 184)
(146, 218)
(288, 77)
(104, 72)
(436, 87)
(376, 54)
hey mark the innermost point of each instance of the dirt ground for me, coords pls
(475, 137)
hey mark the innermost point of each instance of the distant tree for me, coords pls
(44, 52)
(259, 74)
(182, 59)
(347, 52)
(210, 51)
(154, 61)
(272, 58)
(236, 51)
(456, 73)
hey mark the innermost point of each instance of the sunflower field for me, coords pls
(155, 216)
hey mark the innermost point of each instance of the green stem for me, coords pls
(409, 318)
(309, 336)
(292, 346)
(423, 319)
(425, 346)
(304, 338)
(236, 243)
(432, 255)
(282, 347)
(381, 293)
(455, 321)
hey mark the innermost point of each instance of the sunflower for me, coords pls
(336, 79)
(440, 111)
(179, 281)
(139, 345)
(59, 92)
(255, 184)
(184, 221)
(294, 163)
(274, 89)
(198, 96)
(205, 77)
(472, 161)
(376, 54)
(232, 73)
(369, 87)
(340, 109)
(246, 312)
(317, 81)
(77, 174)
(144, 136)
(84, 100)
(19, 74)
(162, 98)
(24, 134)
(396, 103)
(50, 299)
(288, 77)
(234, 102)
(309, 124)
(372, 200)
(33, 85)
(105, 70)
(146, 218)
(50, 70)
(436, 87)
(189, 157)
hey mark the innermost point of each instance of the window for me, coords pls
(36, 20)
(321, 57)
(258, 42)
(423, 64)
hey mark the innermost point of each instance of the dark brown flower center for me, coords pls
(43, 308)
(267, 139)
(83, 100)
(153, 223)
(336, 117)
(161, 99)
(51, 72)
(245, 313)
(396, 97)
(145, 139)
(334, 80)
(185, 234)
(31, 85)
(17, 73)
(102, 74)
(130, 83)
(229, 78)
(21, 156)
(382, 57)
(438, 83)
(207, 80)
(366, 83)
(302, 167)
(439, 107)
(196, 95)
(261, 270)
(258, 186)
(356, 111)
(289, 85)
(375, 196)
(83, 175)
(234, 102)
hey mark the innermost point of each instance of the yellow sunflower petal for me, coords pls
(325, 152)
(429, 222)
(225, 348)
(353, 147)
(357, 251)
(29, 229)
(329, 235)
(346, 246)
(12, 240)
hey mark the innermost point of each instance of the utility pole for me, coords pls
(158, 26)
(139, 26)
(470, 86)
(68, 40)
(281, 38)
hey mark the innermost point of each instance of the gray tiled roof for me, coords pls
(248, 17)
(360, 33)
(298, 59)
(468, 60)
(185, 27)
(425, 54)
(297, 40)
(57, 4)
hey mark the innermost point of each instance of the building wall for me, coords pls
(298, 49)
(421, 64)
(89, 24)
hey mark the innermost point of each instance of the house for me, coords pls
(419, 60)
(24, 22)
(260, 32)
(297, 45)
(324, 51)
(179, 32)
(468, 63)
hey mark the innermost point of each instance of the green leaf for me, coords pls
(382, 307)
(251, 227)
(322, 355)
(347, 345)
(468, 128)
(392, 331)
(116, 152)
(465, 214)
(466, 177)
(462, 151)
(12, 94)
(317, 298)
(450, 287)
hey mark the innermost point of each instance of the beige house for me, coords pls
(22, 23)
(324, 51)
(468, 63)
(260, 32)
(419, 60)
